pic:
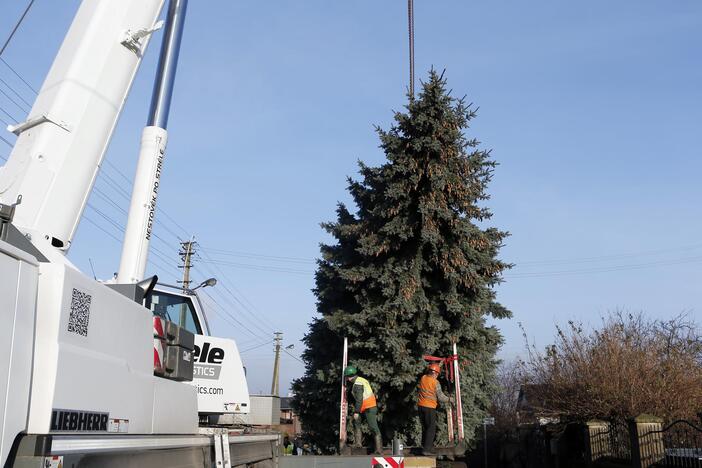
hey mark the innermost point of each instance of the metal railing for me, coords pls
(612, 443)
(677, 445)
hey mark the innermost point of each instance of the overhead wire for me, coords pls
(18, 76)
(231, 316)
(293, 356)
(6, 142)
(601, 258)
(258, 316)
(17, 25)
(19, 96)
(214, 309)
(237, 253)
(12, 100)
(237, 304)
(255, 347)
(605, 269)
(163, 256)
(249, 266)
(9, 116)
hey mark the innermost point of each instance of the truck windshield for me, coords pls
(175, 308)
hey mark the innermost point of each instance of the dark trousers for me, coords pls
(427, 416)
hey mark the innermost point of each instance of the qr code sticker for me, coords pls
(80, 312)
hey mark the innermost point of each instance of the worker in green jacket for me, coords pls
(364, 404)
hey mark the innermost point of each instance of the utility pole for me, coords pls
(187, 249)
(276, 364)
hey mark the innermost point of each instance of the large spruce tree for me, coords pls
(413, 269)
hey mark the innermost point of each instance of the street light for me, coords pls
(208, 282)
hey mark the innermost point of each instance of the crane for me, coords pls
(96, 373)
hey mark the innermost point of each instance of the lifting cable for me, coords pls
(14, 30)
(410, 28)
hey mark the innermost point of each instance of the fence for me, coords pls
(644, 443)
(677, 445)
(609, 441)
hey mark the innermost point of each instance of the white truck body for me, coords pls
(77, 357)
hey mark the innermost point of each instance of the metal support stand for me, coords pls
(344, 404)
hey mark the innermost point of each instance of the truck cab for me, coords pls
(182, 306)
(218, 373)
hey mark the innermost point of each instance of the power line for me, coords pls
(608, 257)
(248, 266)
(88, 219)
(606, 269)
(17, 25)
(18, 75)
(293, 356)
(105, 197)
(255, 318)
(9, 116)
(223, 310)
(234, 296)
(154, 250)
(6, 142)
(11, 99)
(235, 253)
(115, 185)
(15, 92)
(255, 347)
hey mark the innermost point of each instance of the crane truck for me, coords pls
(119, 373)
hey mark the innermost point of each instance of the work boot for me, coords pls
(357, 437)
(378, 444)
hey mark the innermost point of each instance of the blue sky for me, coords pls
(593, 111)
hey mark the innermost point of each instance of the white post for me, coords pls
(142, 209)
(459, 406)
(344, 404)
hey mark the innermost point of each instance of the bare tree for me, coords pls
(628, 366)
(504, 400)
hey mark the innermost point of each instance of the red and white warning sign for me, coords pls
(53, 462)
(388, 462)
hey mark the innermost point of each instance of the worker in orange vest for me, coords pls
(429, 395)
(364, 403)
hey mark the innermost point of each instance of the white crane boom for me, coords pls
(142, 209)
(60, 146)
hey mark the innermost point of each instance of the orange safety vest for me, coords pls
(427, 392)
(368, 396)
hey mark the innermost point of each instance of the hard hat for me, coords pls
(350, 371)
(434, 367)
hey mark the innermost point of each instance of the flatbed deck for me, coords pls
(351, 461)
